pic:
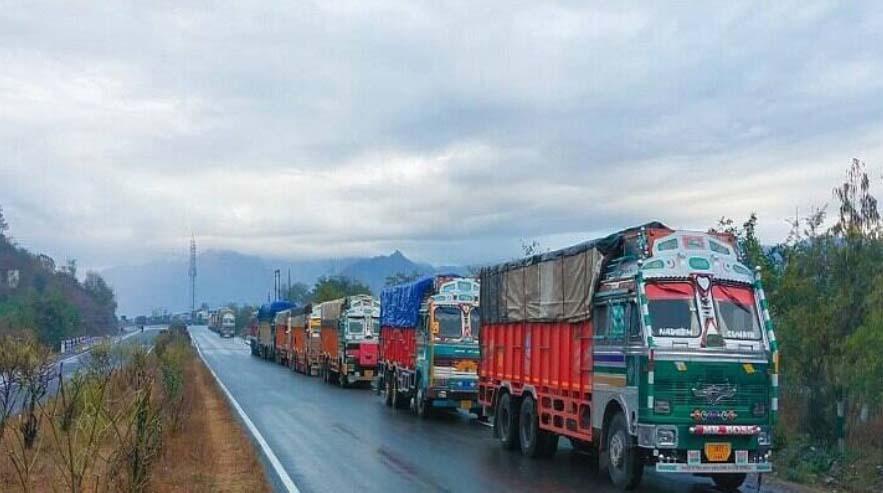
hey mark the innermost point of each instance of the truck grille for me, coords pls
(681, 392)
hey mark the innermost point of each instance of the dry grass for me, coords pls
(211, 453)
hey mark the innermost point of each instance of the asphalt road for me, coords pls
(330, 439)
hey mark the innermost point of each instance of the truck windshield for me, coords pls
(475, 322)
(450, 321)
(736, 313)
(355, 326)
(672, 309)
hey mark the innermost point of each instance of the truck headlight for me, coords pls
(661, 407)
(763, 438)
(666, 437)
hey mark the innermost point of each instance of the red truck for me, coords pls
(306, 346)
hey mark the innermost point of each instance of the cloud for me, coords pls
(450, 131)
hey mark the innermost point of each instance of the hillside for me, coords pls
(37, 295)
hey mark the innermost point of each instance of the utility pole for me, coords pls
(192, 273)
(288, 289)
(277, 282)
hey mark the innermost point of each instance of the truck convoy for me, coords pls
(262, 338)
(653, 347)
(349, 330)
(429, 344)
(222, 321)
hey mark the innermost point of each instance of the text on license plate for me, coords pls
(717, 452)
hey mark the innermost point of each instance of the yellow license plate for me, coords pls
(466, 405)
(717, 452)
(369, 373)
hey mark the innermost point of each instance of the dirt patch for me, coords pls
(211, 452)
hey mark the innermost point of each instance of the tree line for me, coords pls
(824, 283)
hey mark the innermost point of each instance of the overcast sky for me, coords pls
(354, 128)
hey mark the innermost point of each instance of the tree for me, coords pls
(334, 287)
(4, 226)
(402, 278)
(70, 268)
(529, 249)
(298, 293)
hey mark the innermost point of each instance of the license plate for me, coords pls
(466, 405)
(717, 452)
(369, 373)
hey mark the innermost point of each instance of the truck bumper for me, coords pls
(360, 375)
(760, 467)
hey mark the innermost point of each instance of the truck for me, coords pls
(349, 330)
(283, 338)
(228, 323)
(305, 341)
(651, 347)
(263, 338)
(214, 321)
(429, 344)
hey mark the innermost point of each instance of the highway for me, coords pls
(329, 439)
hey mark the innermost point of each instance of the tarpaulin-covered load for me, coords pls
(269, 310)
(330, 311)
(400, 305)
(548, 287)
(300, 316)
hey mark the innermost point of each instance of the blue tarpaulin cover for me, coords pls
(269, 310)
(400, 305)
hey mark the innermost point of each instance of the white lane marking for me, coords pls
(265, 447)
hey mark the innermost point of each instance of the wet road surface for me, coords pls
(330, 439)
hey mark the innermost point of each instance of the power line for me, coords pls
(192, 274)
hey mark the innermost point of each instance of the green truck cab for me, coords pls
(684, 346)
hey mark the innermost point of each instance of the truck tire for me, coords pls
(422, 407)
(507, 421)
(534, 441)
(623, 462)
(341, 380)
(398, 399)
(728, 482)
(387, 382)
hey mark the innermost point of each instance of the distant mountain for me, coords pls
(226, 276)
(374, 271)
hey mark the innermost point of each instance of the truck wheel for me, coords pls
(534, 441)
(623, 463)
(507, 422)
(341, 380)
(387, 399)
(728, 482)
(421, 405)
(398, 400)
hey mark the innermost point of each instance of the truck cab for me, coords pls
(685, 355)
(228, 324)
(359, 327)
(447, 348)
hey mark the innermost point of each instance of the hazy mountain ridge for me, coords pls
(227, 276)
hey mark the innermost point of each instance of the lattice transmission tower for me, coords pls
(192, 274)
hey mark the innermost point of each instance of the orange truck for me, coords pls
(306, 344)
(349, 330)
(282, 322)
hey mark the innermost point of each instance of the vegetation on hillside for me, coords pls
(824, 283)
(49, 300)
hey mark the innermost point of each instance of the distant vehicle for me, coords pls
(263, 338)
(214, 320)
(283, 337)
(429, 344)
(228, 323)
(349, 332)
(649, 346)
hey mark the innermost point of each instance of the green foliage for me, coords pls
(298, 293)
(334, 287)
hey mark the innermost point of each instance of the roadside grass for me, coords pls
(129, 420)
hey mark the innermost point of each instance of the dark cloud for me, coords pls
(448, 131)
